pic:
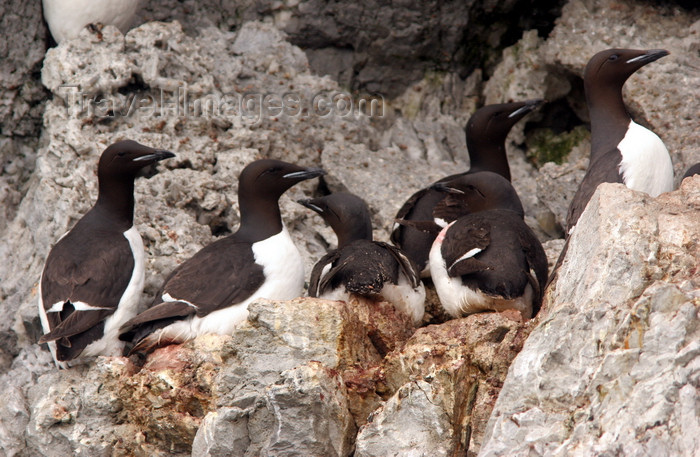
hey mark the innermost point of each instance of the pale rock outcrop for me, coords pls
(111, 407)
(443, 384)
(412, 422)
(304, 413)
(275, 387)
(284, 381)
(613, 366)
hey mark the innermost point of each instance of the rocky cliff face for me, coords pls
(21, 96)
(620, 333)
(380, 47)
(611, 364)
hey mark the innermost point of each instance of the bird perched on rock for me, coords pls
(66, 18)
(489, 259)
(94, 275)
(486, 134)
(210, 292)
(359, 266)
(621, 150)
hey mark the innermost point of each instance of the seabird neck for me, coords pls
(115, 201)
(260, 217)
(488, 157)
(609, 117)
(353, 232)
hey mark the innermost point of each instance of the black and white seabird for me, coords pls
(94, 275)
(360, 266)
(486, 134)
(621, 150)
(489, 259)
(210, 292)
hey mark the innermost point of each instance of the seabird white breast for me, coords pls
(66, 18)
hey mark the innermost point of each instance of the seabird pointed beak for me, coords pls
(529, 106)
(649, 56)
(308, 202)
(156, 156)
(305, 174)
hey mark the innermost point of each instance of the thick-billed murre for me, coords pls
(489, 259)
(94, 275)
(360, 266)
(621, 150)
(210, 292)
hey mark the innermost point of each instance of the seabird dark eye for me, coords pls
(121, 153)
(613, 57)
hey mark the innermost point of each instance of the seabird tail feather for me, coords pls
(144, 329)
(77, 322)
(154, 339)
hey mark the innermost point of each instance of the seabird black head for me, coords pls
(603, 78)
(486, 134)
(480, 192)
(269, 178)
(119, 164)
(260, 185)
(346, 213)
(614, 66)
(125, 159)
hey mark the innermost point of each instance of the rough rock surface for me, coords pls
(412, 422)
(443, 383)
(21, 53)
(348, 381)
(374, 46)
(613, 367)
(21, 96)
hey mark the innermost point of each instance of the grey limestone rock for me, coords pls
(223, 432)
(411, 423)
(281, 338)
(459, 366)
(21, 53)
(372, 46)
(22, 49)
(613, 366)
(304, 413)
